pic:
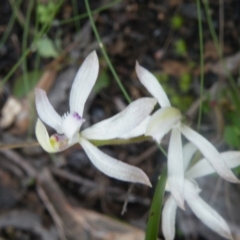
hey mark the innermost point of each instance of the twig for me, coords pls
(20, 16)
(115, 193)
(216, 190)
(143, 156)
(30, 171)
(19, 145)
(17, 159)
(58, 222)
(73, 178)
(124, 209)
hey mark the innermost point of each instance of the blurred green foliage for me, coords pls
(102, 82)
(185, 82)
(19, 90)
(46, 48)
(178, 95)
(180, 47)
(176, 22)
(232, 135)
(46, 11)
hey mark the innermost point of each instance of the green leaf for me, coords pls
(176, 22)
(46, 11)
(185, 82)
(180, 47)
(102, 82)
(232, 136)
(156, 208)
(18, 87)
(46, 48)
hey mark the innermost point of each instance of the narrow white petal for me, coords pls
(210, 153)
(206, 213)
(43, 137)
(169, 218)
(122, 122)
(137, 131)
(189, 150)
(46, 111)
(162, 121)
(175, 167)
(203, 167)
(83, 83)
(113, 167)
(152, 85)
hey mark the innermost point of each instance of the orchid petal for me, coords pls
(175, 167)
(189, 150)
(206, 213)
(46, 111)
(152, 85)
(122, 122)
(203, 167)
(44, 140)
(162, 121)
(83, 83)
(210, 153)
(113, 167)
(169, 218)
(137, 131)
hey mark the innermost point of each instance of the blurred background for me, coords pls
(42, 44)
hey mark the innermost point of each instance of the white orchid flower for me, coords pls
(68, 126)
(191, 194)
(169, 118)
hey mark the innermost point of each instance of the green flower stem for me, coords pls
(24, 45)
(84, 15)
(10, 23)
(201, 61)
(105, 53)
(235, 92)
(119, 141)
(162, 149)
(156, 208)
(75, 11)
(14, 68)
(43, 30)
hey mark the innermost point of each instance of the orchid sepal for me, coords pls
(113, 167)
(53, 144)
(162, 121)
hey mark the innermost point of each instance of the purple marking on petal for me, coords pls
(71, 124)
(60, 142)
(59, 138)
(76, 115)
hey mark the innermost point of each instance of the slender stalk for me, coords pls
(24, 46)
(235, 92)
(119, 141)
(84, 15)
(37, 20)
(105, 53)
(162, 149)
(156, 208)
(43, 30)
(201, 61)
(14, 68)
(10, 24)
(75, 11)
